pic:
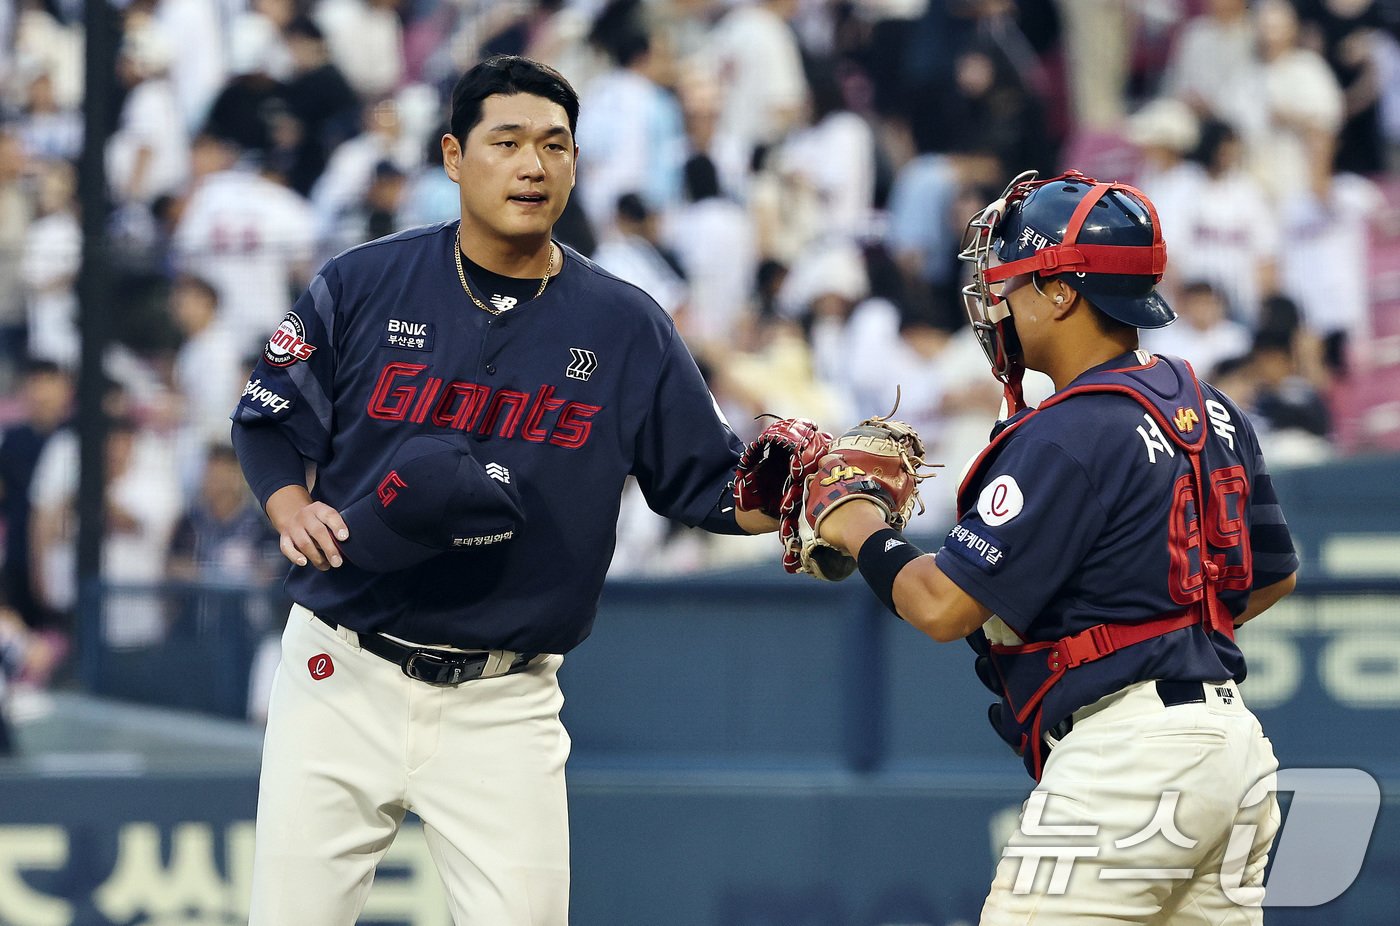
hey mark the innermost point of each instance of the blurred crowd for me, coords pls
(789, 179)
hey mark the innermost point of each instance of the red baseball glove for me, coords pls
(786, 453)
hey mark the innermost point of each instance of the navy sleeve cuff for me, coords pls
(269, 459)
(722, 518)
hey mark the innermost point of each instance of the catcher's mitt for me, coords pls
(880, 460)
(786, 453)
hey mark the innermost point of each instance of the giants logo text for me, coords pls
(404, 393)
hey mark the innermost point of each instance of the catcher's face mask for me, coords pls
(985, 297)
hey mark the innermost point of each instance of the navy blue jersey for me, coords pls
(567, 394)
(1085, 515)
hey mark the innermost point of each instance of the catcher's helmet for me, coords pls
(1101, 239)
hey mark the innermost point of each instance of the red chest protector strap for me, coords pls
(1214, 614)
(1092, 645)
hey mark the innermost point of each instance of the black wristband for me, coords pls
(881, 557)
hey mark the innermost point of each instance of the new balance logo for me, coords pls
(583, 364)
(892, 543)
(503, 303)
(498, 472)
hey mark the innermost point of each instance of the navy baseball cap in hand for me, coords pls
(434, 497)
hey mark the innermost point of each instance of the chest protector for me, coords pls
(1026, 672)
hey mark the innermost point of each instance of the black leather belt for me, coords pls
(1171, 691)
(433, 666)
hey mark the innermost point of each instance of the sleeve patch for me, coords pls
(255, 393)
(409, 335)
(1000, 501)
(981, 549)
(288, 343)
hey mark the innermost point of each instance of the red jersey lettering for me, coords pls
(402, 393)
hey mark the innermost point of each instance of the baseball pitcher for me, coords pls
(472, 397)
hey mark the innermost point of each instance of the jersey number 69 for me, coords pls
(1227, 536)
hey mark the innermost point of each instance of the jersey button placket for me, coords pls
(492, 326)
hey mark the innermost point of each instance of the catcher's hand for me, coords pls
(879, 460)
(786, 453)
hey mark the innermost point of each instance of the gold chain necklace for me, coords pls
(462, 276)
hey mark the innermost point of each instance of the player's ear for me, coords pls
(573, 169)
(452, 157)
(1063, 299)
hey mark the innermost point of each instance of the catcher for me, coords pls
(1109, 544)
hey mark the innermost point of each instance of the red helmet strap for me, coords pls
(1081, 212)
(1092, 258)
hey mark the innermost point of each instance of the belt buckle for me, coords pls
(438, 669)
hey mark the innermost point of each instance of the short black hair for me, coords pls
(1215, 134)
(1279, 314)
(701, 178)
(627, 46)
(1230, 366)
(886, 280)
(1272, 340)
(304, 27)
(508, 74)
(620, 31)
(769, 275)
(632, 207)
(825, 89)
(387, 170)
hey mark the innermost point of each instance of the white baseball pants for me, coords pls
(352, 744)
(1138, 804)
